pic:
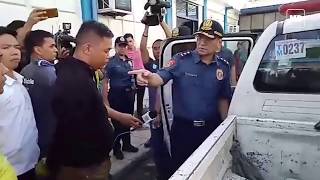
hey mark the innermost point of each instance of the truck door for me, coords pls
(240, 46)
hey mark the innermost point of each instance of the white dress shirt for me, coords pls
(18, 131)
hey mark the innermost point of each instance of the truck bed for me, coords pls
(232, 176)
(275, 147)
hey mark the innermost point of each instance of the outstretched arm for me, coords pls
(166, 29)
(143, 45)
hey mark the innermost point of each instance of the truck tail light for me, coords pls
(300, 8)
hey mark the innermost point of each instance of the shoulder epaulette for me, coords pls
(183, 54)
(223, 60)
(186, 53)
(44, 63)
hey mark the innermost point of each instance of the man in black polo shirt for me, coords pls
(84, 136)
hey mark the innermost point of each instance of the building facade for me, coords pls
(128, 20)
(124, 16)
(69, 12)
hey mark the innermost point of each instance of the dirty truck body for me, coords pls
(273, 112)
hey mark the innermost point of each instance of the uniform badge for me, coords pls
(122, 39)
(219, 74)
(154, 66)
(171, 63)
(207, 25)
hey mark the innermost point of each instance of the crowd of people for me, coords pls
(60, 120)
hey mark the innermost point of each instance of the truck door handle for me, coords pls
(317, 126)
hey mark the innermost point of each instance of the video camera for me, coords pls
(156, 13)
(64, 40)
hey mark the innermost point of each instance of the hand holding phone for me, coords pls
(38, 15)
(51, 12)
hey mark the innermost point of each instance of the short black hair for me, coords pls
(128, 35)
(35, 38)
(16, 24)
(5, 30)
(158, 40)
(95, 27)
(184, 31)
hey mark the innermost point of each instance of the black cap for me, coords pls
(181, 31)
(211, 29)
(121, 40)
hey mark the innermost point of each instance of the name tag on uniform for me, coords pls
(28, 81)
(190, 74)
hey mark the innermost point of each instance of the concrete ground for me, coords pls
(144, 170)
(121, 167)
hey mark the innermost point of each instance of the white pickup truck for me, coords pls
(275, 109)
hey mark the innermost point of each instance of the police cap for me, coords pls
(121, 40)
(211, 29)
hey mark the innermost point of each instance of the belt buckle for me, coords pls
(199, 123)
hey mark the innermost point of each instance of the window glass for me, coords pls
(291, 64)
(181, 8)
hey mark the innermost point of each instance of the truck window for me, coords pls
(240, 51)
(291, 64)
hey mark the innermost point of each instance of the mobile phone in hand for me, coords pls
(51, 12)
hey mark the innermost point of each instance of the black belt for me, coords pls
(194, 123)
(199, 123)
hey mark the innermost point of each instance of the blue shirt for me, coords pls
(39, 78)
(152, 66)
(117, 73)
(197, 87)
(226, 54)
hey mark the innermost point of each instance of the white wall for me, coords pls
(69, 11)
(233, 17)
(132, 24)
(216, 11)
(199, 2)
